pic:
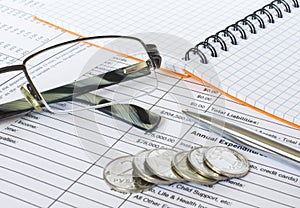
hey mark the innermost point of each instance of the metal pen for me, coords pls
(263, 143)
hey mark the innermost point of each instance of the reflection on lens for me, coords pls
(91, 73)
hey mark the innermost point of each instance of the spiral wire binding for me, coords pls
(248, 20)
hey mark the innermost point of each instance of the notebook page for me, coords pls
(264, 69)
(194, 21)
(187, 19)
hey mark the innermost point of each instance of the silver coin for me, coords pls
(226, 161)
(196, 162)
(181, 167)
(119, 175)
(158, 161)
(142, 171)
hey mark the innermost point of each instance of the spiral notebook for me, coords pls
(260, 67)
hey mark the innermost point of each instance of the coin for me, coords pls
(142, 171)
(180, 166)
(196, 162)
(158, 161)
(119, 175)
(226, 161)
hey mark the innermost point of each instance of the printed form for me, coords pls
(58, 160)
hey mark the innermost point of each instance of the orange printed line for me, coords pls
(175, 73)
(56, 26)
(243, 102)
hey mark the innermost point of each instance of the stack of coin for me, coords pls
(203, 165)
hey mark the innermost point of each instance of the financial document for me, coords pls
(57, 161)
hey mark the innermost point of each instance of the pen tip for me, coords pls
(196, 115)
(185, 111)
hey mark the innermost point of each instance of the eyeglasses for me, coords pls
(93, 72)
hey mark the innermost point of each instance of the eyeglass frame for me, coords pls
(151, 50)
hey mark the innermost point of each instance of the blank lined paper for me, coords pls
(262, 70)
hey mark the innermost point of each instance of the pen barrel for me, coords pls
(250, 138)
(266, 145)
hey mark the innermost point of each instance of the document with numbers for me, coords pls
(57, 161)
